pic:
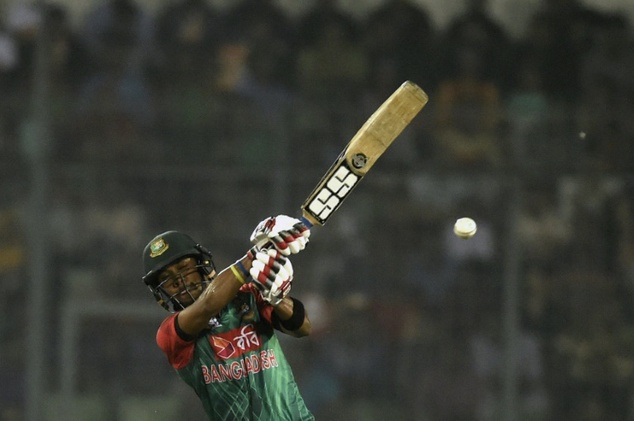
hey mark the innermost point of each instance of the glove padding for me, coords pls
(288, 235)
(273, 274)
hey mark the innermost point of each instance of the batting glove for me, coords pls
(288, 235)
(273, 274)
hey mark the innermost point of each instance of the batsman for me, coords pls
(220, 336)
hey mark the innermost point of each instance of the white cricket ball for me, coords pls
(465, 228)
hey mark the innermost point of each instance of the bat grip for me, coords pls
(306, 222)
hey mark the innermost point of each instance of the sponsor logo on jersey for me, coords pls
(224, 349)
(236, 342)
(236, 370)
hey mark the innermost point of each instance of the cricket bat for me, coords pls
(362, 152)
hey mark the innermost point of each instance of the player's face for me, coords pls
(182, 281)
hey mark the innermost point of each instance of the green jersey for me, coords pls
(237, 366)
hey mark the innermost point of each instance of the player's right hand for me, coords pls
(272, 273)
(288, 235)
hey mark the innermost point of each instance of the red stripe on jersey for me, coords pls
(179, 352)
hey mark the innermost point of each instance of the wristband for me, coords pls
(237, 274)
(297, 318)
(245, 272)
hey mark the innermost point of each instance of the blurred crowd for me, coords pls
(129, 84)
(209, 119)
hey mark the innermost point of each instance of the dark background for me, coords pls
(131, 122)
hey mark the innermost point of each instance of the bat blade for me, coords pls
(362, 152)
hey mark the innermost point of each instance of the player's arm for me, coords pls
(286, 236)
(222, 289)
(290, 317)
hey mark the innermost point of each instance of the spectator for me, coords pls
(23, 23)
(606, 107)
(476, 29)
(591, 354)
(468, 115)
(263, 26)
(542, 227)
(8, 58)
(13, 294)
(399, 37)
(189, 33)
(563, 28)
(528, 116)
(312, 24)
(123, 20)
(115, 108)
(333, 67)
(486, 346)
(69, 61)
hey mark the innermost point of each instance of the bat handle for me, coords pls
(306, 222)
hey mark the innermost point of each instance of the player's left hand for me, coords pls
(273, 274)
(288, 235)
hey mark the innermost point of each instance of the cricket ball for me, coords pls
(465, 228)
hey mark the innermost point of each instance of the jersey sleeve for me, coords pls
(179, 351)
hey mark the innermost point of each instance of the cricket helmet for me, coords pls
(166, 249)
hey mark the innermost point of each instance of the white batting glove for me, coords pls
(273, 274)
(288, 235)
